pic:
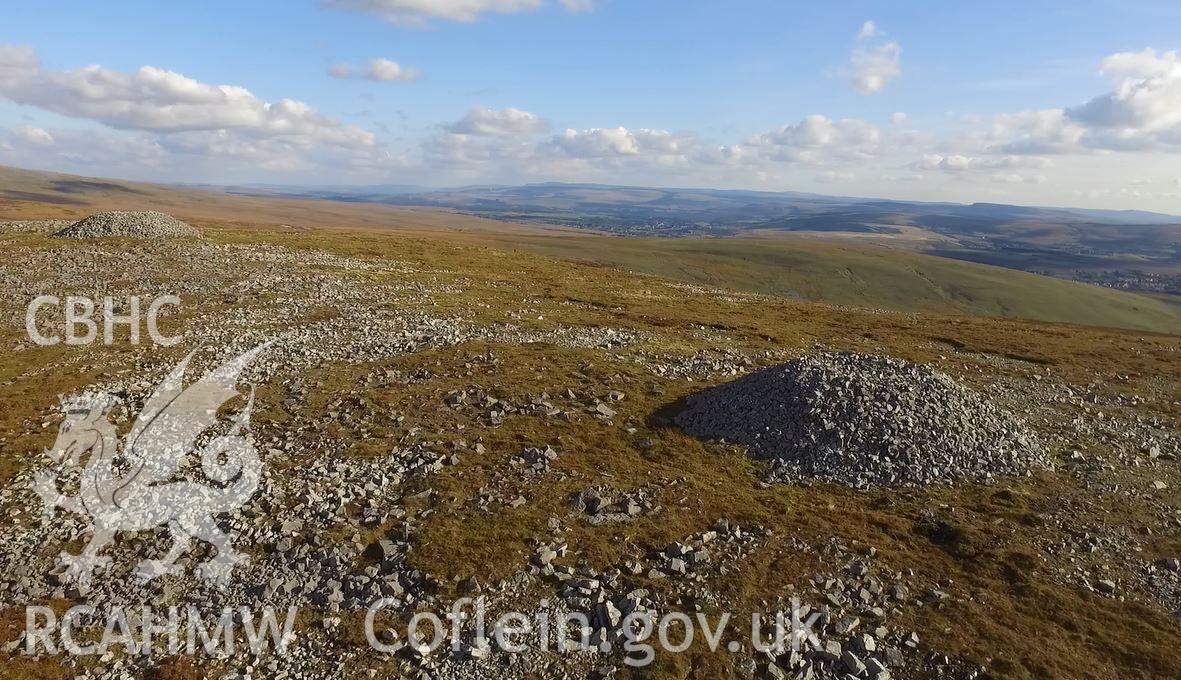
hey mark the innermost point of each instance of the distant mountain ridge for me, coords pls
(570, 196)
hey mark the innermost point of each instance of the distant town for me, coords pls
(1130, 279)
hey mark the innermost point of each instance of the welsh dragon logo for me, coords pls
(145, 495)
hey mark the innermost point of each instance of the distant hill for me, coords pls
(735, 206)
(1068, 242)
(30, 194)
(713, 212)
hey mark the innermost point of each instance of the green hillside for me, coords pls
(865, 277)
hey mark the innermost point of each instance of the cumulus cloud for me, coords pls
(510, 143)
(507, 144)
(819, 131)
(81, 151)
(487, 140)
(417, 12)
(621, 142)
(1147, 95)
(1043, 131)
(378, 70)
(1141, 113)
(216, 155)
(171, 123)
(598, 142)
(579, 5)
(158, 100)
(486, 122)
(874, 62)
(816, 138)
(161, 117)
(873, 67)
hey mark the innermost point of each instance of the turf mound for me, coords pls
(144, 224)
(865, 421)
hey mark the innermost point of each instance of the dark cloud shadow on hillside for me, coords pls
(38, 198)
(82, 186)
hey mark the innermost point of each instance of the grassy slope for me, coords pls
(865, 277)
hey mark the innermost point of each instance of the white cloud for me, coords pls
(417, 12)
(873, 67)
(1141, 113)
(386, 70)
(501, 141)
(170, 124)
(1147, 95)
(873, 62)
(507, 144)
(816, 137)
(483, 144)
(621, 142)
(597, 143)
(485, 122)
(378, 70)
(124, 154)
(1044, 131)
(154, 99)
(162, 119)
(212, 155)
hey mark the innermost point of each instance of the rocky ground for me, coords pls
(439, 420)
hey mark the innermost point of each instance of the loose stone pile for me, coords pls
(119, 223)
(865, 421)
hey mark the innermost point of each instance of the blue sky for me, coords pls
(766, 95)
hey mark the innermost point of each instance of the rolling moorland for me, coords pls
(845, 270)
(452, 417)
(1127, 249)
